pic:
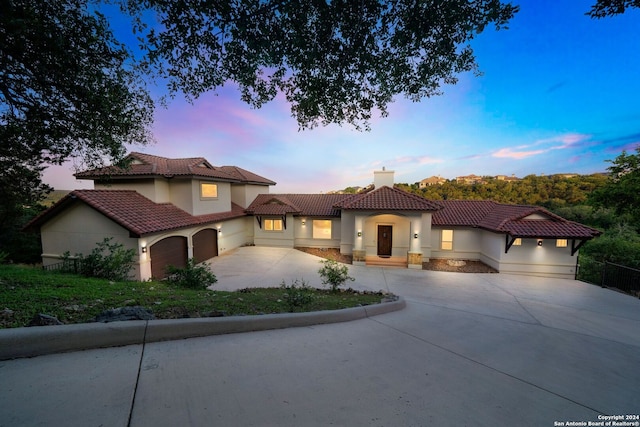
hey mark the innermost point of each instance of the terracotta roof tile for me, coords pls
(504, 218)
(301, 204)
(149, 165)
(135, 212)
(387, 198)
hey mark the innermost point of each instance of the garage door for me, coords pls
(205, 245)
(169, 251)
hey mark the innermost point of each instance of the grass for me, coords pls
(26, 291)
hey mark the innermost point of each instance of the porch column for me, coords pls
(414, 256)
(359, 253)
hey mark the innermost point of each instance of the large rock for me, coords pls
(125, 313)
(44, 320)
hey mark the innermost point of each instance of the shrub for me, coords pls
(334, 274)
(194, 276)
(107, 260)
(297, 295)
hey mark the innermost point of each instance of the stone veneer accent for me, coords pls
(414, 260)
(359, 256)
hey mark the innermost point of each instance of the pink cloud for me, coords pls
(512, 154)
(560, 142)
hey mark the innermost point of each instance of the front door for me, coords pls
(384, 240)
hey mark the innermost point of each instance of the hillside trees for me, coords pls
(622, 190)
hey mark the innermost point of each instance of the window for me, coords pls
(517, 242)
(273, 225)
(561, 243)
(208, 190)
(321, 228)
(447, 240)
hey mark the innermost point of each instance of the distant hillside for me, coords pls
(54, 196)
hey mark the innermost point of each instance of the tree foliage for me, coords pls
(553, 192)
(622, 190)
(66, 85)
(67, 89)
(335, 62)
(605, 8)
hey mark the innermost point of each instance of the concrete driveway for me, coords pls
(469, 349)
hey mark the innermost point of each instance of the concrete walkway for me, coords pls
(469, 349)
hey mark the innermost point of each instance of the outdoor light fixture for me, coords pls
(304, 222)
(219, 230)
(415, 236)
(539, 242)
(359, 233)
(144, 249)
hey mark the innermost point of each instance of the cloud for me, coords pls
(512, 154)
(541, 146)
(556, 86)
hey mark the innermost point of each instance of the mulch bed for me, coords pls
(468, 267)
(329, 253)
(434, 264)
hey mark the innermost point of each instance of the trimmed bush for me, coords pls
(334, 274)
(193, 276)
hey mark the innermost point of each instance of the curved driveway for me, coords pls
(469, 349)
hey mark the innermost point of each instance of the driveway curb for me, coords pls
(40, 340)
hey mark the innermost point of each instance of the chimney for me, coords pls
(382, 178)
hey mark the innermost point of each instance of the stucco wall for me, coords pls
(467, 243)
(531, 259)
(304, 233)
(206, 206)
(284, 238)
(233, 234)
(155, 190)
(244, 194)
(78, 232)
(347, 232)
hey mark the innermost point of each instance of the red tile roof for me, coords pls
(153, 166)
(511, 219)
(388, 198)
(300, 204)
(142, 216)
(135, 212)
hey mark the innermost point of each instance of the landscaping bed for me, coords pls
(28, 291)
(433, 264)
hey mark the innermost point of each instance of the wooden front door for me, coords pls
(384, 240)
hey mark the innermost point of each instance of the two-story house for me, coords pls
(170, 210)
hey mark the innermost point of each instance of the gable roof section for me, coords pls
(388, 199)
(134, 212)
(147, 165)
(321, 205)
(510, 219)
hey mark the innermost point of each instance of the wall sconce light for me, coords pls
(144, 249)
(219, 230)
(415, 236)
(359, 233)
(539, 242)
(304, 222)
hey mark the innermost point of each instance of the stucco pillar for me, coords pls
(359, 253)
(414, 256)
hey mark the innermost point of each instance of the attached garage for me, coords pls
(169, 251)
(205, 245)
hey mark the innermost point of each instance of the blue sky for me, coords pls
(559, 93)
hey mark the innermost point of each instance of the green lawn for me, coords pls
(26, 291)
